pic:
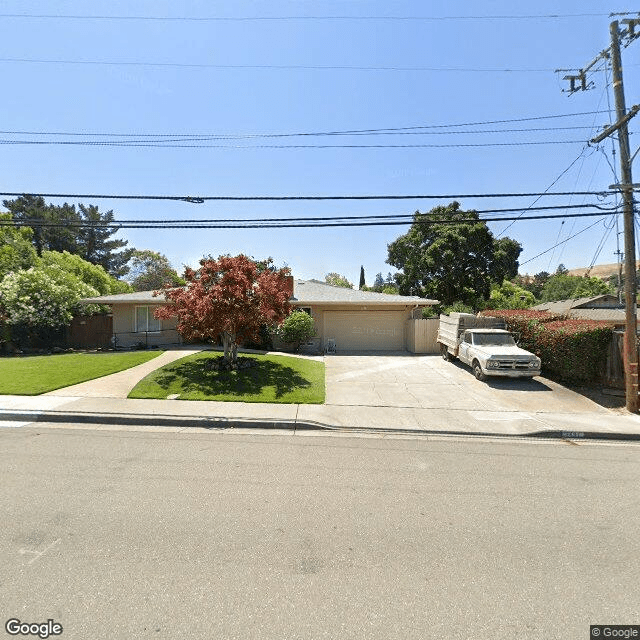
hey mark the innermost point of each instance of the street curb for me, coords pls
(202, 422)
(215, 423)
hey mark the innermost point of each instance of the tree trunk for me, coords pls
(230, 347)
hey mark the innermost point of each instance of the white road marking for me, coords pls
(12, 424)
(38, 554)
(500, 415)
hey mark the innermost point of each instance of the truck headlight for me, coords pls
(534, 364)
(492, 364)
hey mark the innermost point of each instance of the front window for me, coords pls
(145, 320)
(493, 340)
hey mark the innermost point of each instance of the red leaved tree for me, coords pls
(228, 297)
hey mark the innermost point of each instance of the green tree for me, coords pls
(563, 287)
(362, 281)
(510, 296)
(54, 227)
(151, 270)
(336, 280)
(37, 300)
(458, 307)
(447, 257)
(96, 245)
(378, 283)
(85, 232)
(534, 283)
(56, 263)
(16, 250)
(297, 328)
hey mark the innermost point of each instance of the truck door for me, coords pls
(463, 349)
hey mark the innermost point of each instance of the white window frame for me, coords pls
(148, 315)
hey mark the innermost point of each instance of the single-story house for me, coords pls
(352, 320)
(603, 308)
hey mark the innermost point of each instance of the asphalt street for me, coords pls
(192, 534)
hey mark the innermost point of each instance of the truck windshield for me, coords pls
(493, 339)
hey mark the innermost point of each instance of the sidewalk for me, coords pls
(103, 402)
(23, 410)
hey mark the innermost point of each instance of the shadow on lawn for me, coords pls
(194, 378)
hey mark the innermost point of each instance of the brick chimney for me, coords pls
(289, 285)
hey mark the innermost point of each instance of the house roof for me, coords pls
(616, 316)
(563, 306)
(137, 297)
(305, 292)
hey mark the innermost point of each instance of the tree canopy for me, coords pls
(510, 296)
(336, 280)
(230, 297)
(151, 270)
(447, 257)
(93, 275)
(563, 287)
(16, 250)
(85, 231)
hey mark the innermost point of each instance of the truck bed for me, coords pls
(452, 327)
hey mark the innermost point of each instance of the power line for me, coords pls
(30, 221)
(263, 224)
(563, 241)
(328, 133)
(308, 67)
(580, 155)
(44, 16)
(173, 145)
(187, 137)
(202, 199)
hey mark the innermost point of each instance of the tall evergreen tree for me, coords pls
(50, 223)
(95, 245)
(362, 282)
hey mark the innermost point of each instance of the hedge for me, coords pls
(571, 350)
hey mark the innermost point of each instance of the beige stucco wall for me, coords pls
(124, 328)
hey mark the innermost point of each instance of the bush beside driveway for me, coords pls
(33, 375)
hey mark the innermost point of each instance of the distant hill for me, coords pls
(599, 270)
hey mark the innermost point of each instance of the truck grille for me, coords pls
(513, 364)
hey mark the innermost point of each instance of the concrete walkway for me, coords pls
(386, 394)
(118, 385)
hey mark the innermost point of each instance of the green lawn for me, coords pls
(275, 379)
(32, 375)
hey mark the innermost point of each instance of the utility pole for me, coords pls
(579, 83)
(619, 254)
(630, 340)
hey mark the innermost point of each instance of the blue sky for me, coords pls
(468, 83)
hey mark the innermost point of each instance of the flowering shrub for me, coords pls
(571, 350)
(37, 299)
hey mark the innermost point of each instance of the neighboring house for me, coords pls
(603, 308)
(354, 320)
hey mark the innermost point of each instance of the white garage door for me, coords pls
(366, 330)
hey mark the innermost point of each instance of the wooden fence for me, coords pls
(421, 335)
(90, 332)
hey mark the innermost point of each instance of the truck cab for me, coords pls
(494, 352)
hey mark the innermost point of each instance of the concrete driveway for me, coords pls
(402, 380)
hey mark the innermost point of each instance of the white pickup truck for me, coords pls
(484, 345)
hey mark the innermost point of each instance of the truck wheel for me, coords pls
(477, 371)
(445, 353)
